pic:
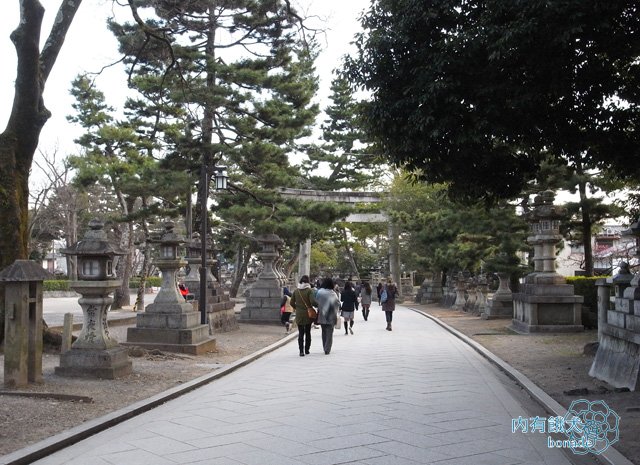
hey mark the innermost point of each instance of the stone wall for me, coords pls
(617, 360)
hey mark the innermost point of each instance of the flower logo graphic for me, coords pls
(592, 425)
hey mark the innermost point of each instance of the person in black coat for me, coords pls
(349, 300)
(379, 288)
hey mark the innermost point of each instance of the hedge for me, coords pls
(55, 285)
(63, 284)
(152, 281)
(586, 287)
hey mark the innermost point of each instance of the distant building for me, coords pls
(54, 262)
(610, 246)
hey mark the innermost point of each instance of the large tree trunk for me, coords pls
(19, 140)
(242, 261)
(122, 295)
(146, 265)
(71, 237)
(292, 263)
(350, 257)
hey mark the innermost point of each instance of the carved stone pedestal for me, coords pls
(95, 354)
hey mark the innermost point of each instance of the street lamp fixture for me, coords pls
(220, 182)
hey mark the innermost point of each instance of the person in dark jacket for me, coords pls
(302, 299)
(349, 300)
(379, 288)
(388, 300)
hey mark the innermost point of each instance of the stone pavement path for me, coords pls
(414, 395)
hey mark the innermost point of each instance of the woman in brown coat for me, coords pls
(301, 300)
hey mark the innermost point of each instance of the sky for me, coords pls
(89, 47)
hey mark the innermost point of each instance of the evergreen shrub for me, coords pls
(586, 287)
(55, 285)
(152, 281)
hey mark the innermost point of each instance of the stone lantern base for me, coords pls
(220, 308)
(263, 303)
(95, 363)
(430, 291)
(498, 307)
(171, 328)
(547, 308)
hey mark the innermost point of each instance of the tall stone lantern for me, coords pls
(546, 302)
(170, 323)
(95, 354)
(220, 314)
(263, 302)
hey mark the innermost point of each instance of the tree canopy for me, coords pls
(441, 234)
(474, 93)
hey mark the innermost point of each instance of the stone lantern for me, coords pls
(460, 284)
(263, 302)
(95, 354)
(170, 323)
(218, 307)
(192, 280)
(546, 302)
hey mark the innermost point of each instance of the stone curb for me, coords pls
(76, 434)
(610, 457)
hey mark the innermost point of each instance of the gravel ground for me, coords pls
(26, 420)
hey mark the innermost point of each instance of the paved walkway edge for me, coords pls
(610, 457)
(55, 443)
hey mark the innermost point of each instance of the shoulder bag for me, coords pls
(313, 314)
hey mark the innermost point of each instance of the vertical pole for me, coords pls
(604, 295)
(189, 216)
(204, 184)
(394, 256)
(304, 260)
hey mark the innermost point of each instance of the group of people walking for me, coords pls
(325, 304)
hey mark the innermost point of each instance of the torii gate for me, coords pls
(352, 197)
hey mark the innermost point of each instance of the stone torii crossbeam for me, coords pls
(350, 197)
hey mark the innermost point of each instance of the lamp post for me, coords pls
(220, 179)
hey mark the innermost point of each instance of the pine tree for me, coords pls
(590, 210)
(346, 154)
(234, 82)
(117, 156)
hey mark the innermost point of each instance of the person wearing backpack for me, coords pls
(388, 300)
